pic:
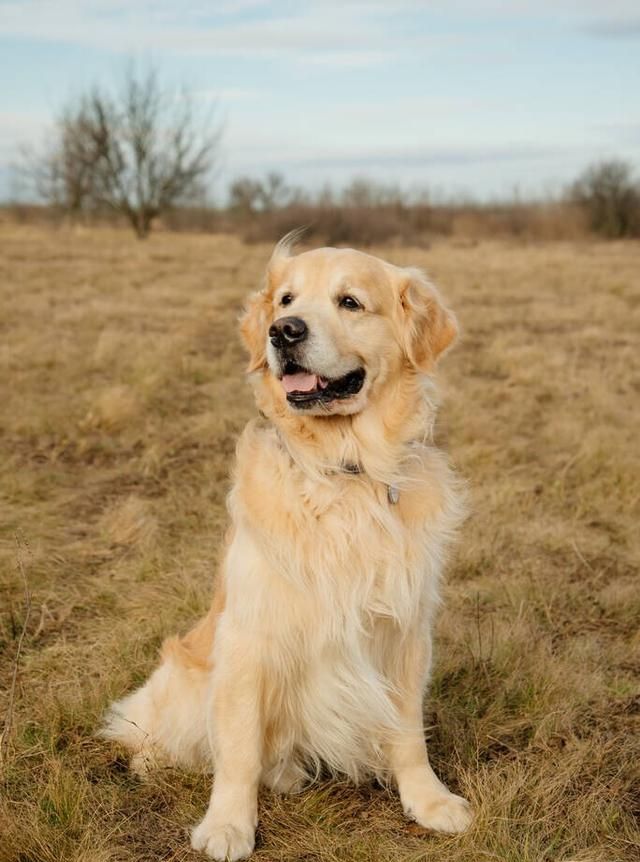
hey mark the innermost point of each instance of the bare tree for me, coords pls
(363, 192)
(248, 196)
(138, 153)
(244, 196)
(610, 196)
(274, 192)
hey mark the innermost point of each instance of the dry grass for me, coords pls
(122, 396)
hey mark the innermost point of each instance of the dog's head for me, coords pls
(333, 326)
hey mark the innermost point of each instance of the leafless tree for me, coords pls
(138, 152)
(248, 196)
(274, 192)
(244, 196)
(363, 192)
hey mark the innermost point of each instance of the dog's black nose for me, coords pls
(287, 330)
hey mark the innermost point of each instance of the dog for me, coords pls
(315, 654)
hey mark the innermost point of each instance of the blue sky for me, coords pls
(457, 96)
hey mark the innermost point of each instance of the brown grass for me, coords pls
(122, 396)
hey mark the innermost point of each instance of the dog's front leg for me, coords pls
(424, 797)
(227, 831)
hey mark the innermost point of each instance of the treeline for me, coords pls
(144, 155)
(603, 202)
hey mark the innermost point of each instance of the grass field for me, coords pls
(121, 396)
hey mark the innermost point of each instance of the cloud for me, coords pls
(357, 159)
(614, 28)
(433, 156)
(348, 34)
(625, 134)
(226, 94)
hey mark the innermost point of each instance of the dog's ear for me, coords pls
(429, 327)
(253, 328)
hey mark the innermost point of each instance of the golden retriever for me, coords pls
(316, 650)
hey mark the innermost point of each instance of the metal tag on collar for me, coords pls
(352, 468)
(393, 494)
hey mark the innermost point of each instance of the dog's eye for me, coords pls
(287, 299)
(349, 302)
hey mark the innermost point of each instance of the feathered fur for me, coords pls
(317, 648)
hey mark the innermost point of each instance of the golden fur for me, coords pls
(317, 647)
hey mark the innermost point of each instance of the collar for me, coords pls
(393, 492)
(349, 467)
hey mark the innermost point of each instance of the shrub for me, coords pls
(610, 196)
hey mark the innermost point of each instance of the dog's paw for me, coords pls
(224, 843)
(442, 812)
(141, 764)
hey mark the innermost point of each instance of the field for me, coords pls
(122, 394)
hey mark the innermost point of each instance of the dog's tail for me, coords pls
(165, 721)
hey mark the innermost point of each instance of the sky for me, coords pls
(478, 98)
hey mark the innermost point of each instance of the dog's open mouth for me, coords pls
(305, 388)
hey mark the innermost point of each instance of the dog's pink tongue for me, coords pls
(300, 382)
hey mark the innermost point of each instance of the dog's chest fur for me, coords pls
(332, 577)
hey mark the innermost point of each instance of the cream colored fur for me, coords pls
(317, 647)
